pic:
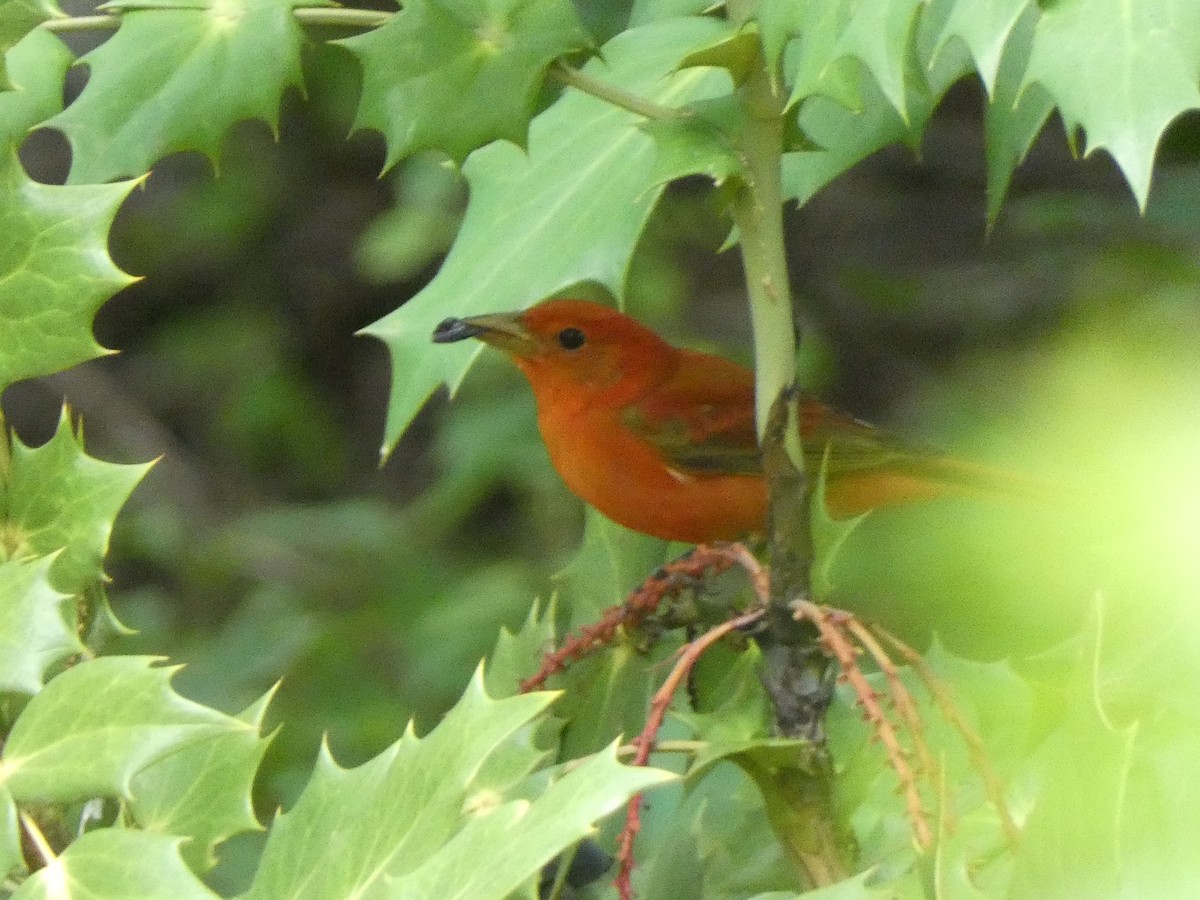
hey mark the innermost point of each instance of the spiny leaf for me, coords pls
(704, 143)
(611, 562)
(984, 27)
(34, 633)
(879, 34)
(516, 656)
(176, 77)
(569, 211)
(779, 21)
(116, 864)
(55, 271)
(453, 75)
(1071, 841)
(202, 791)
(850, 117)
(37, 66)
(58, 498)
(813, 66)
(497, 852)
(352, 829)
(17, 19)
(94, 726)
(1120, 70)
(1015, 114)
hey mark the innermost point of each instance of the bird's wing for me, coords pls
(701, 420)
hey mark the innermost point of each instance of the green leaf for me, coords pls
(738, 726)
(516, 656)
(34, 633)
(59, 498)
(1015, 113)
(779, 22)
(606, 694)
(453, 75)
(1122, 71)
(116, 864)
(203, 790)
(55, 271)
(705, 143)
(984, 27)
(495, 854)
(176, 77)
(1070, 843)
(94, 726)
(879, 35)
(418, 811)
(10, 835)
(37, 66)
(568, 211)
(856, 888)
(17, 19)
(611, 562)
(845, 138)
(814, 65)
(862, 119)
(736, 52)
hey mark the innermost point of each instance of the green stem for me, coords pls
(334, 17)
(342, 18)
(758, 214)
(604, 91)
(81, 23)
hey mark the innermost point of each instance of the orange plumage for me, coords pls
(662, 440)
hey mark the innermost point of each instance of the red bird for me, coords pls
(662, 439)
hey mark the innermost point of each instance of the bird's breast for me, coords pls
(628, 480)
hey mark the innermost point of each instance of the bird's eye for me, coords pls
(571, 339)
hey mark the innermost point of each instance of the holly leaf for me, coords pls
(37, 66)
(34, 633)
(855, 117)
(60, 499)
(175, 77)
(116, 864)
(984, 27)
(516, 656)
(611, 562)
(453, 75)
(815, 65)
(1071, 840)
(1122, 72)
(879, 35)
(569, 211)
(1015, 115)
(17, 19)
(421, 818)
(495, 854)
(704, 143)
(95, 725)
(738, 725)
(55, 271)
(203, 790)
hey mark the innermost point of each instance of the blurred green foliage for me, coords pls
(268, 545)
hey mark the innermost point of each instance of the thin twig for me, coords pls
(845, 653)
(616, 96)
(975, 746)
(667, 581)
(644, 742)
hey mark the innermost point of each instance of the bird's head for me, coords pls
(572, 348)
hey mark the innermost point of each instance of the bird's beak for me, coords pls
(501, 330)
